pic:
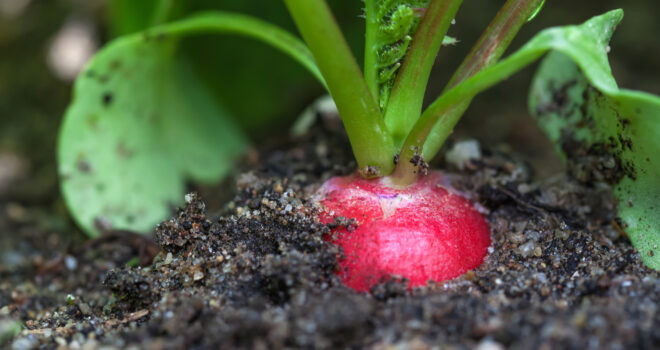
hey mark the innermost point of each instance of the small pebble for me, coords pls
(489, 344)
(70, 262)
(198, 275)
(526, 249)
(26, 343)
(462, 152)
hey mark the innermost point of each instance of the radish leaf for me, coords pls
(141, 124)
(586, 44)
(608, 135)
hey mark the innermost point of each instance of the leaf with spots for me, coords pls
(605, 134)
(141, 124)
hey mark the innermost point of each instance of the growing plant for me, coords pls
(137, 95)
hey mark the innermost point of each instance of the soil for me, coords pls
(560, 273)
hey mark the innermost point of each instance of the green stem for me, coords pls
(371, 48)
(372, 144)
(438, 121)
(405, 102)
(496, 38)
(226, 22)
(478, 82)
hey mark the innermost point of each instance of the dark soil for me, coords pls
(560, 274)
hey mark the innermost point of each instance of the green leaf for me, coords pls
(215, 66)
(619, 126)
(607, 135)
(141, 124)
(585, 44)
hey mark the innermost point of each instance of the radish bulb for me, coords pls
(423, 232)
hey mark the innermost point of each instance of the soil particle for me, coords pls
(260, 275)
(600, 162)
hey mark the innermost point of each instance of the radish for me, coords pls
(423, 232)
(408, 223)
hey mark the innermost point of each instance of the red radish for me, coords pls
(423, 232)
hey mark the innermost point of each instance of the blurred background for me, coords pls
(44, 43)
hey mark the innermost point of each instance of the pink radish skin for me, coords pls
(423, 232)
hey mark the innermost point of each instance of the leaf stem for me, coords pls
(234, 23)
(441, 118)
(405, 101)
(371, 48)
(496, 38)
(371, 142)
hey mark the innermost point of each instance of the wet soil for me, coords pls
(560, 273)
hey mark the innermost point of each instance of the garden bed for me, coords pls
(560, 272)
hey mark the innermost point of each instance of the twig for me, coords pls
(129, 318)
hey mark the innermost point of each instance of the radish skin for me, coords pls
(423, 232)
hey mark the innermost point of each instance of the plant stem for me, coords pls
(405, 102)
(495, 39)
(233, 23)
(438, 121)
(371, 142)
(370, 47)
